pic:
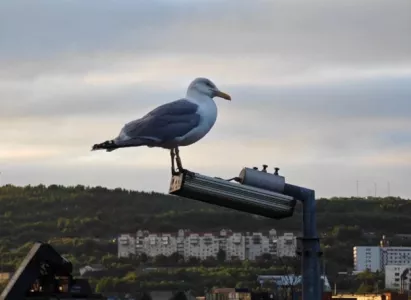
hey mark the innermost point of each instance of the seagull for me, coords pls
(172, 125)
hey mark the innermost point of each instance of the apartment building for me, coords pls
(128, 245)
(376, 258)
(286, 245)
(398, 277)
(202, 245)
(367, 257)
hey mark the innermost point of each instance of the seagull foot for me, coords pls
(175, 158)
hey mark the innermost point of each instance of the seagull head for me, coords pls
(204, 86)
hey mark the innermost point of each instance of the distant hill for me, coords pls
(82, 223)
(40, 213)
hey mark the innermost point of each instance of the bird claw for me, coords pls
(179, 164)
(175, 158)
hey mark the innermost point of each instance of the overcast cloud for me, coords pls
(321, 89)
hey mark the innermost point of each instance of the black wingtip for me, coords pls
(98, 147)
(107, 145)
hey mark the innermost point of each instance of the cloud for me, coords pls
(320, 89)
(78, 36)
(56, 98)
(304, 121)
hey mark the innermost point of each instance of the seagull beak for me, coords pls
(222, 95)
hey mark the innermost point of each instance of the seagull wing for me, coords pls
(163, 124)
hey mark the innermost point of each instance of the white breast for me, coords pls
(208, 111)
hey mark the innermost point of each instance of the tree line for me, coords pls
(83, 223)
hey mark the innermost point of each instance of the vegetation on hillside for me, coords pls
(83, 223)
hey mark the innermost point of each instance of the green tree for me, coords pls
(365, 288)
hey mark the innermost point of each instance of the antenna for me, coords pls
(357, 188)
(375, 189)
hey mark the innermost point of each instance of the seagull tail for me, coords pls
(107, 145)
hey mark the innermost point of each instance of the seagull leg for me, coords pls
(178, 160)
(173, 169)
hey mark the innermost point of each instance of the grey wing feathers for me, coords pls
(178, 107)
(163, 124)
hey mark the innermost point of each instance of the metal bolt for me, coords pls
(276, 171)
(255, 168)
(264, 168)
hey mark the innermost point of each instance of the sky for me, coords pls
(320, 89)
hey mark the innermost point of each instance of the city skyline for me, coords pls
(320, 90)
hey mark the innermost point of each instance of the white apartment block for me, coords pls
(128, 245)
(198, 245)
(397, 275)
(286, 245)
(202, 245)
(157, 245)
(367, 258)
(375, 258)
(258, 244)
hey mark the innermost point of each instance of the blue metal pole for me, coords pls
(311, 280)
(311, 248)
